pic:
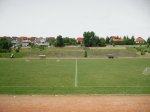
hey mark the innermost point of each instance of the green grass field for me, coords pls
(71, 76)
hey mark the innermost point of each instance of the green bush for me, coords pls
(5, 50)
(139, 48)
(85, 54)
(145, 50)
(110, 56)
(142, 53)
(17, 50)
(41, 47)
(113, 44)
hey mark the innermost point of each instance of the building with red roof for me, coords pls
(23, 38)
(140, 40)
(79, 40)
(24, 41)
(116, 39)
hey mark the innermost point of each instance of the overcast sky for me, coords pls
(73, 17)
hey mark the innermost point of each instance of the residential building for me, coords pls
(79, 40)
(116, 39)
(140, 40)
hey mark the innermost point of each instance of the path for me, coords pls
(98, 103)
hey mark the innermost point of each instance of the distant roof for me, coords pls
(80, 39)
(116, 39)
(23, 38)
(140, 39)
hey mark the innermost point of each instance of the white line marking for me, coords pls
(115, 86)
(76, 74)
(35, 86)
(79, 86)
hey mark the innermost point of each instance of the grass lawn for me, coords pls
(93, 76)
(116, 72)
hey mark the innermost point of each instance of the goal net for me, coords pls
(146, 71)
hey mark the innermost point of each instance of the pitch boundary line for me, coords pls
(79, 86)
(115, 86)
(35, 86)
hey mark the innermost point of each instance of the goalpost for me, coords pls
(146, 71)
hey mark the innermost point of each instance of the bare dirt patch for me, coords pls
(100, 103)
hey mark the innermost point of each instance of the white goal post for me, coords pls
(146, 71)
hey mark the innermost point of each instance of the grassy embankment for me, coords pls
(73, 52)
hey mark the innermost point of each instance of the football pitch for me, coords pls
(74, 76)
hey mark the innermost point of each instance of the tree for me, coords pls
(107, 40)
(5, 45)
(88, 38)
(73, 41)
(125, 40)
(51, 41)
(91, 40)
(59, 41)
(132, 40)
(102, 42)
(95, 41)
(67, 41)
(42, 47)
(17, 49)
(148, 41)
(31, 44)
(128, 41)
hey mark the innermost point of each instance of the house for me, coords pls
(116, 39)
(15, 43)
(140, 40)
(14, 38)
(41, 42)
(23, 38)
(79, 40)
(24, 41)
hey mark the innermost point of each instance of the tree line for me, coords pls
(60, 41)
(126, 41)
(90, 39)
